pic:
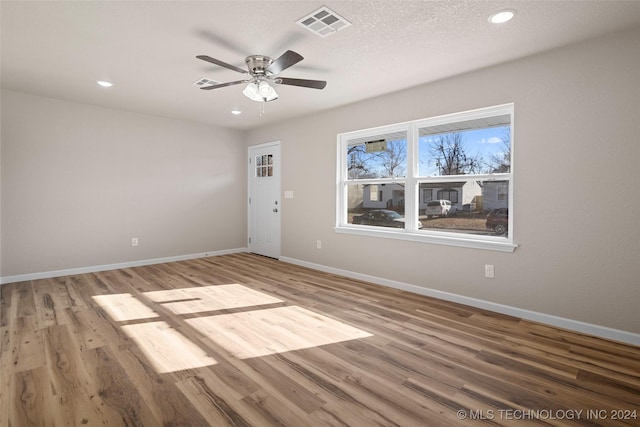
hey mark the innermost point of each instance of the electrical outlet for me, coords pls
(489, 271)
(134, 241)
(318, 244)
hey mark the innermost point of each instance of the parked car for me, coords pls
(382, 218)
(498, 220)
(439, 208)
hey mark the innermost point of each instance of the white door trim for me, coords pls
(274, 210)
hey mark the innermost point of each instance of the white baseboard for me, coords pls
(105, 267)
(561, 322)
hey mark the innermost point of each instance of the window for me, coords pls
(427, 194)
(374, 194)
(390, 177)
(264, 165)
(448, 194)
(503, 192)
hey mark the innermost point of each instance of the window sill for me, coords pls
(440, 238)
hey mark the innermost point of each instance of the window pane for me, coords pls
(464, 152)
(472, 206)
(264, 165)
(380, 156)
(385, 209)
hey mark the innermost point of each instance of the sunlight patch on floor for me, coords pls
(210, 298)
(252, 332)
(123, 307)
(167, 349)
(262, 332)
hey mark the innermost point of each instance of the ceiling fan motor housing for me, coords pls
(258, 65)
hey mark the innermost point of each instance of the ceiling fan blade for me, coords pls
(285, 61)
(222, 64)
(237, 82)
(314, 84)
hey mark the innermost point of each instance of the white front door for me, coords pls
(264, 199)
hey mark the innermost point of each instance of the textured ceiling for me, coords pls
(148, 49)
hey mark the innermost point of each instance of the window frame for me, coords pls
(412, 181)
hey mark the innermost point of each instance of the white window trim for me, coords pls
(411, 233)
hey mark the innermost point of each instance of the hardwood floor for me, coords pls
(243, 340)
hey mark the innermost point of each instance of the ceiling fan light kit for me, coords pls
(267, 91)
(261, 92)
(259, 89)
(262, 71)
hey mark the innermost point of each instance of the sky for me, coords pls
(483, 142)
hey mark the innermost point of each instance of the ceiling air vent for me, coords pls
(205, 82)
(324, 22)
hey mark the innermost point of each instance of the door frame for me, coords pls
(277, 181)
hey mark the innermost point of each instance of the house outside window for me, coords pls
(463, 158)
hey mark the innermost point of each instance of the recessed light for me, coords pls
(104, 83)
(502, 16)
(236, 112)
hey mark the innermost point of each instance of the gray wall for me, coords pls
(78, 182)
(577, 169)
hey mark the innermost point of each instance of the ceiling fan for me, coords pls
(261, 71)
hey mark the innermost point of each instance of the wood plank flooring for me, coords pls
(243, 340)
